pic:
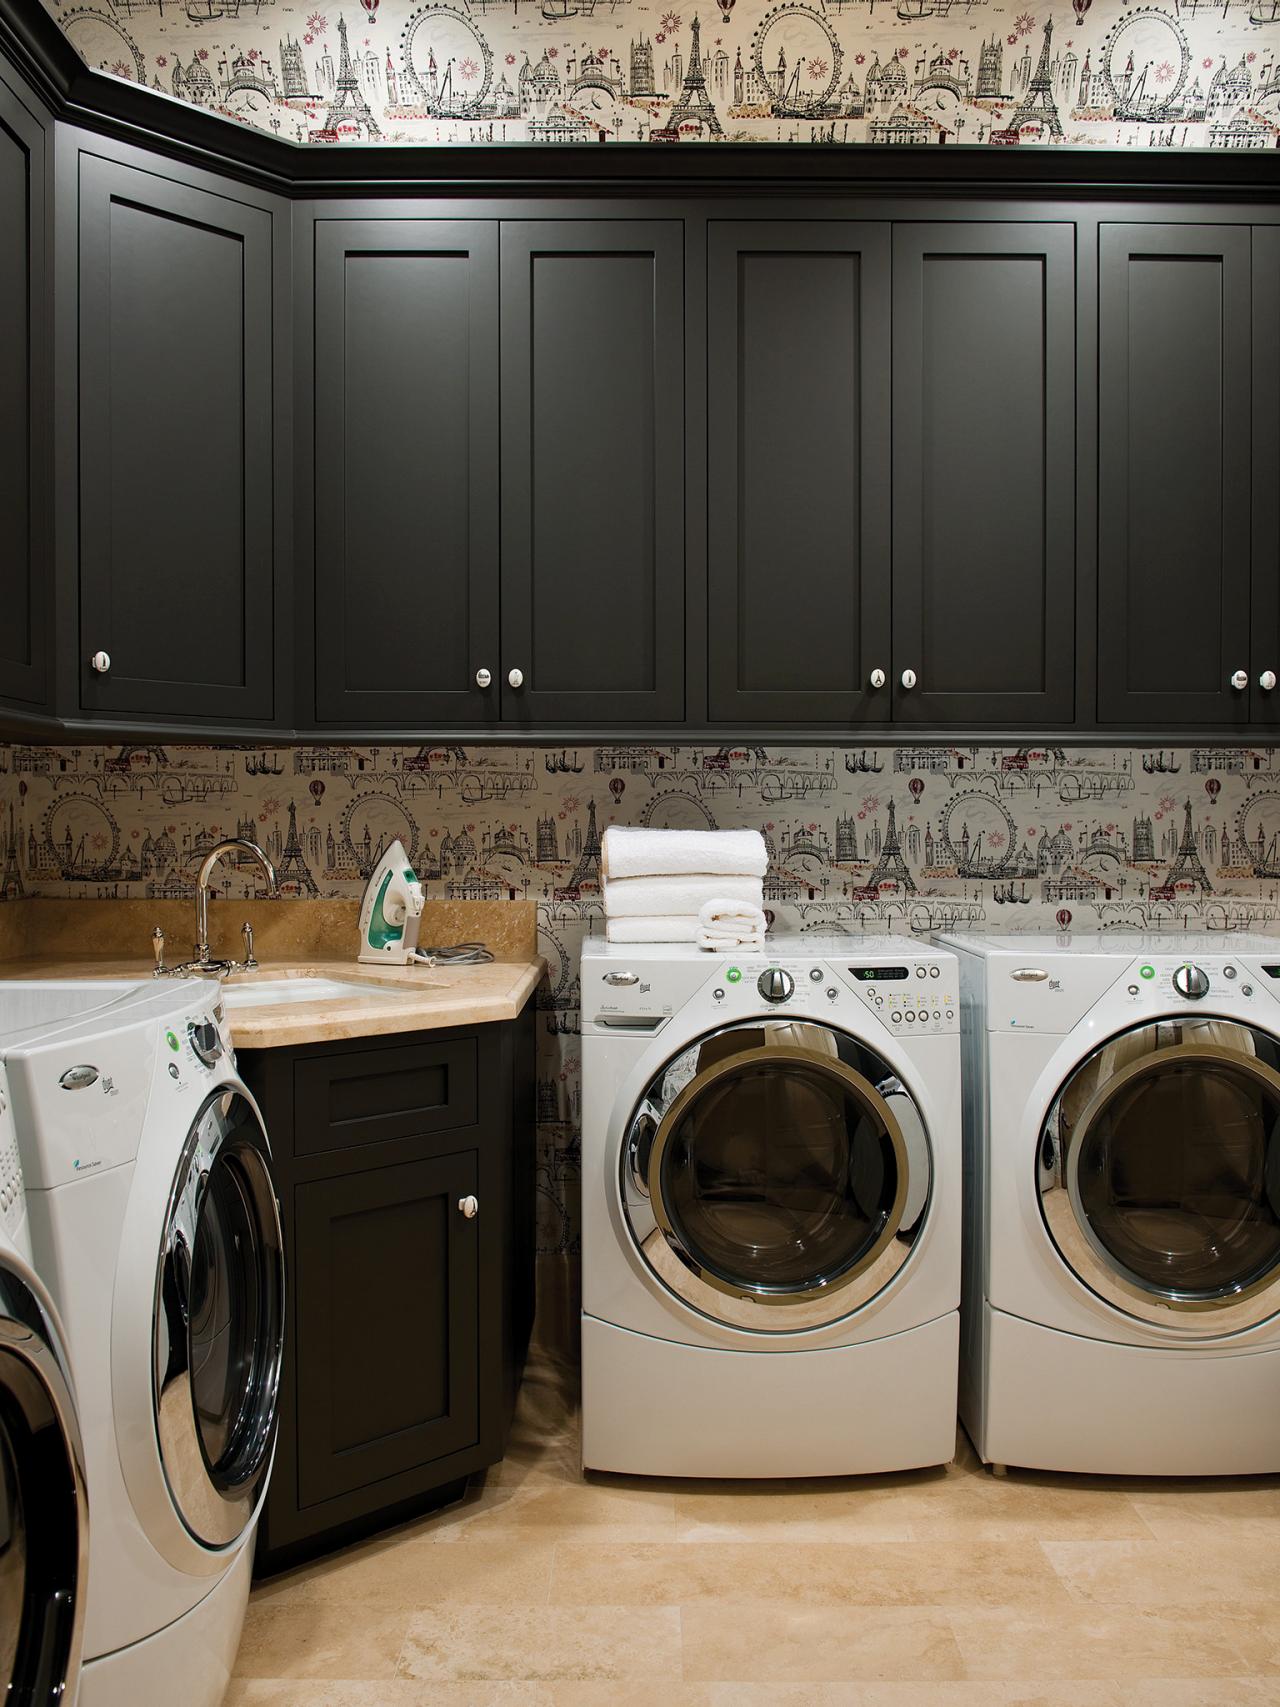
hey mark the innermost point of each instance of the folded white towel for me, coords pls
(725, 925)
(628, 851)
(633, 897)
(675, 927)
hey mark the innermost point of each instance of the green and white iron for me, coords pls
(391, 912)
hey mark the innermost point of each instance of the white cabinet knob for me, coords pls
(1240, 680)
(908, 679)
(877, 678)
(470, 1207)
(101, 662)
(515, 678)
(483, 678)
(1267, 680)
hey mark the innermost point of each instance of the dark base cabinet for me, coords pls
(405, 1168)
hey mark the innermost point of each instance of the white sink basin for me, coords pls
(261, 991)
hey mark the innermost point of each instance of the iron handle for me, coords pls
(1240, 680)
(1267, 680)
(515, 678)
(877, 678)
(908, 679)
(469, 1206)
(100, 662)
(483, 678)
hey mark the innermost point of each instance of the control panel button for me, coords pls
(776, 985)
(919, 971)
(815, 975)
(935, 971)
(1228, 971)
(718, 994)
(833, 993)
(1246, 989)
(897, 1018)
(733, 975)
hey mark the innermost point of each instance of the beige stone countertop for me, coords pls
(401, 998)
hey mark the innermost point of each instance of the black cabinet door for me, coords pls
(1265, 665)
(176, 448)
(1173, 474)
(798, 470)
(385, 1268)
(593, 521)
(406, 470)
(983, 473)
(24, 475)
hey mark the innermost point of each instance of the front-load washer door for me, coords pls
(43, 1510)
(219, 1323)
(775, 1175)
(1159, 1174)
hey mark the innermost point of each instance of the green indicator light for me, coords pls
(733, 975)
(1147, 971)
(171, 1040)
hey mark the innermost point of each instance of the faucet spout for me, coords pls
(238, 845)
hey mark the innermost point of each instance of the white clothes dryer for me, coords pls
(44, 1520)
(1122, 1158)
(771, 1208)
(155, 1225)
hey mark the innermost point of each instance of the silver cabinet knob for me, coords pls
(1191, 982)
(1267, 680)
(908, 679)
(1240, 680)
(483, 678)
(469, 1206)
(877, 678)
(101, 662)
(515, 678)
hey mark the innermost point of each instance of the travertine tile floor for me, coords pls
(934, 1589)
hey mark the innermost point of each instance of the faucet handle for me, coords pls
(246, 931)
(157, 948)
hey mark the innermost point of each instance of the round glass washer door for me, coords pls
(776, 1175)
(219, 1323)
(1159, 1174)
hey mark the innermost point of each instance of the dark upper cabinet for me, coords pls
(798, 470)
(593, 516)
(176, 474)
(1173, 474)
(1264, 688)
(24, 464)
(406, 470)
(984, 473)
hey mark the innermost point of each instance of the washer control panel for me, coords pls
(1190, 983)
(907, 997)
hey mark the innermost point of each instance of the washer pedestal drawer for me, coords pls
(652, 1407)
(1057, 1401)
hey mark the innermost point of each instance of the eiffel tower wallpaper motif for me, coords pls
(1102, 74)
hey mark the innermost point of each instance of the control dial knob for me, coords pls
(1191, 982)
(205, 1041)
(775, 985)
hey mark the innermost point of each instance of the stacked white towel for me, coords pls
(660, 885)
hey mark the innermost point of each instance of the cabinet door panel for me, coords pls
(386, 1313)
(176, 445)
(593, 470)
(984, 472)
(1266, 472)
(406, 469)
(798, 469)
(24, 489)
(1173, 475)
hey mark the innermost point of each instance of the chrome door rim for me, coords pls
(1230, 1311)
(771, 1311)
(214, 1516)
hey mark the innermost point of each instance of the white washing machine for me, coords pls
(1122, 1155)
(44, 1524)
(771, 1208)
(155, 1225)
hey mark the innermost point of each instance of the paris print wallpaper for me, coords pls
(901, 839)
(1183, 73)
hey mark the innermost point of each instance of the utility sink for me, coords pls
(260, 992)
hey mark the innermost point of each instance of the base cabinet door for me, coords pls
(1173, 475)
(386, 1271)
(406, 471)
(593, 520)
(798, 497)
(175, 479)
(984, 473)
(1264, 688)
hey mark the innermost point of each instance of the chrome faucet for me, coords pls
(202, 961)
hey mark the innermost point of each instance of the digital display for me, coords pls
(1272, 971)
(882, 974)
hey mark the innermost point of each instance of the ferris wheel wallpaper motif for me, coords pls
(1097, 73)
